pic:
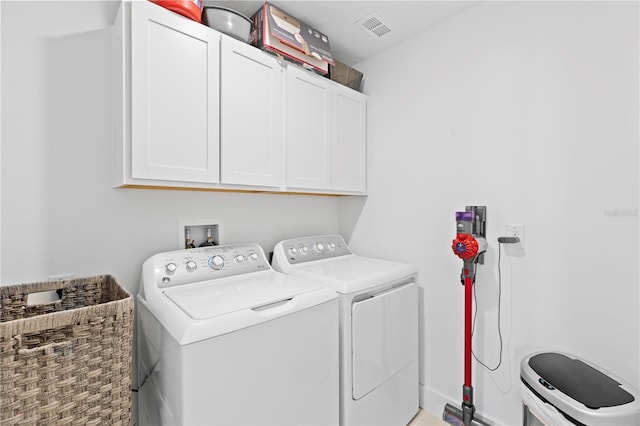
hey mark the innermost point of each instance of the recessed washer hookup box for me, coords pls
(283, 34)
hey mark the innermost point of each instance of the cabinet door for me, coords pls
(349, 150)
(251, 107)
(308, 130)
(174, 96)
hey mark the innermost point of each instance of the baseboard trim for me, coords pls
(433, 401)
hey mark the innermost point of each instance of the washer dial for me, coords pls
(170, 268)
(216, 262)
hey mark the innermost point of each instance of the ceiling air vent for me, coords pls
(373, 25)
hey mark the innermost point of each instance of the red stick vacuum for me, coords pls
(469, 245)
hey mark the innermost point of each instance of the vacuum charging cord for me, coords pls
(501, 240)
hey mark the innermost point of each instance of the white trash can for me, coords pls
(560, 389)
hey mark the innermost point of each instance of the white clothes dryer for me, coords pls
(223, 339)
(378, 326)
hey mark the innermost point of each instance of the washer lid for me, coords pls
(214, 298)
(351, 273)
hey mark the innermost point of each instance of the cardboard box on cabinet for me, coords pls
(282, 34)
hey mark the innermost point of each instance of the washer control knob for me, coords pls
(253, 257)
(191, 266)
(319, 247)
(170, 268)
(332, 246)
(304, 250)
(239, 258)
(216, 262)
(293, 251)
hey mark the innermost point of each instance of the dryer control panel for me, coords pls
(306, 249)
(206, 263)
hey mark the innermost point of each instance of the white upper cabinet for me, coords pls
(308, 130)
(194, 108)
(325, 134)
(251, 108)
(349, 142)
(173, 84)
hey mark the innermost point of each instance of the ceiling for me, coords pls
(350, 43)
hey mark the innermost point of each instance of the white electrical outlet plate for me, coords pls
(516, 230)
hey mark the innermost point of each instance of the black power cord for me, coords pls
(506, 240)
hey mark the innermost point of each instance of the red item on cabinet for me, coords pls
(192, 9)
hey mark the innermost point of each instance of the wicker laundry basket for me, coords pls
(69, 361)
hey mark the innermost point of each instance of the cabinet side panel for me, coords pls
(119, 94)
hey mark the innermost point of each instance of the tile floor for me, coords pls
(425, 418)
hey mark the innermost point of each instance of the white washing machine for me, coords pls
(378, 326)
(224, 339)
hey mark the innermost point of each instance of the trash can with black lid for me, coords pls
(559, 388)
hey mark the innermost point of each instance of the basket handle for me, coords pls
(48, 348)
(19, 294)
(54, 294)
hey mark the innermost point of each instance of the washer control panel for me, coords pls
(206, 263)
(306, 249)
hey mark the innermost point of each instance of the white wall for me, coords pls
(59, 212)
(530, 108)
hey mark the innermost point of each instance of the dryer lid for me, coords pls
(214, 298)
(351, 273)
